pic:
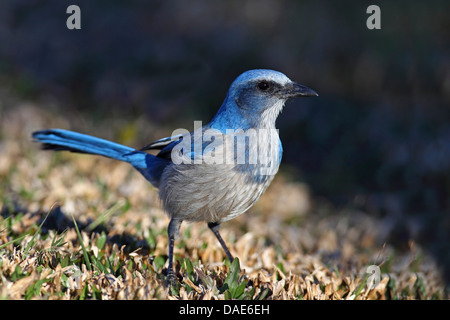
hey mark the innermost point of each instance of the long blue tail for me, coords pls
(58, 139)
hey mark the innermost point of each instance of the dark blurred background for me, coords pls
(377, 138)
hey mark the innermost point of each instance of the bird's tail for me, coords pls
(58, 139)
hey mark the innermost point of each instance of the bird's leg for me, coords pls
(215, 229)
(172, 230)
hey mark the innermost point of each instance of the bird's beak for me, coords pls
(293, 90)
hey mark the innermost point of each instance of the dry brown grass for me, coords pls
(290, 246)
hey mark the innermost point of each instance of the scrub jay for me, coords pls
(214, 173)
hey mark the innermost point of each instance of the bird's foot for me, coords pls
(171, 279)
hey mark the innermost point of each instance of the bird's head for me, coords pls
(260, 94)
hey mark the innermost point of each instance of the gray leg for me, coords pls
(172, 230)
(215, 229)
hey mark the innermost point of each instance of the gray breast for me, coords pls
(216, 192)
(207, 192)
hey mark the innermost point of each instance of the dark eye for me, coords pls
(263, 85)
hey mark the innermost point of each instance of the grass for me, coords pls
(107, 239)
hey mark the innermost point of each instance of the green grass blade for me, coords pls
(361, 286)
(32, 241)
(101, 219)
(85, 253)
(13, 241)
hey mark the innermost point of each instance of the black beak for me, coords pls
(294, 90)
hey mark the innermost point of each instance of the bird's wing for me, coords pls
(161, 143)
(165, 145)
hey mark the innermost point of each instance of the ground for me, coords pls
(85, 227)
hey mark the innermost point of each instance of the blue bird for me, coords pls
(216, 172)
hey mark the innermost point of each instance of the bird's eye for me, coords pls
(263, 85)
